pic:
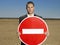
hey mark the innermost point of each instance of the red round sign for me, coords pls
(32, 30)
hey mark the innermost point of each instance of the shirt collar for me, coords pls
(30, 15)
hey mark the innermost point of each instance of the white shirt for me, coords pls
(30, 15)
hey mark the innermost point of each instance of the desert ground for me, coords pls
(9, 35)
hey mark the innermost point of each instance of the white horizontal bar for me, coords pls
(32, 31)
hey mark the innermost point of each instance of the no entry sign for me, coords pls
(32, 30)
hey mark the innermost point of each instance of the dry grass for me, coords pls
(9, 36)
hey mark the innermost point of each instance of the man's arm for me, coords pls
(20, 19)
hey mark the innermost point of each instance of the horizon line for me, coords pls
(18, 18)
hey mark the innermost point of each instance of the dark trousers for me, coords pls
(22, 43)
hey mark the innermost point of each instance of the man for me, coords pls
(30, 13)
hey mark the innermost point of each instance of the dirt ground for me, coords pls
(9, 36)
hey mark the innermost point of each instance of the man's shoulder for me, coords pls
(23, 16)
(38, 16)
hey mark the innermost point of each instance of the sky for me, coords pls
(17, 8)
